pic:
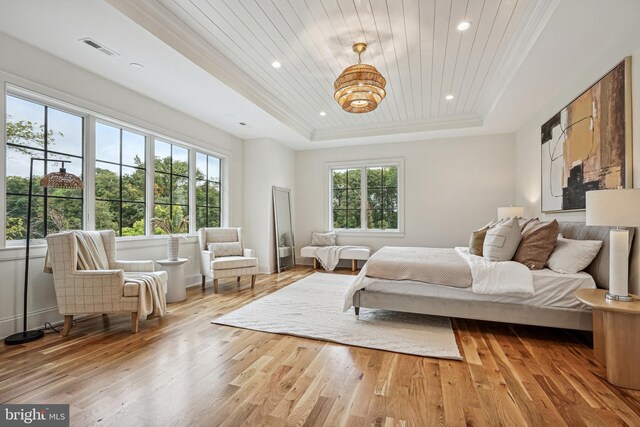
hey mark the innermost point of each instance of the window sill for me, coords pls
(370, 233)
(38, 249)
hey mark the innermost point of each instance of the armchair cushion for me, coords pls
(231, 262)
(225, 249)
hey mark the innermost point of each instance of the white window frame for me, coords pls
(90, 116)
(363, 164)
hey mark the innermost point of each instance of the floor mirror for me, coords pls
(284, 244)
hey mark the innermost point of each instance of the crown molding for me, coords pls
(162, 23)
(398, 128)
(539, 13)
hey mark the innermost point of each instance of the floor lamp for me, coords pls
(60, 179)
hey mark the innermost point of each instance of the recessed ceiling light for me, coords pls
(464, 26)
(448, 97)
(136, 65)
(322, 113)
(276, 64)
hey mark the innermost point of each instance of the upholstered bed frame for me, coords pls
(511, 313)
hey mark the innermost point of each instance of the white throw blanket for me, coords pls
(498, 278)
(330, 255)
(152, 302)
(492, 278)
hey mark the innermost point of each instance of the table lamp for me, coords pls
(620, 208)
(510, 212)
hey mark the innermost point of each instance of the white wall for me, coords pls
(528, 157)
(267, 163)
(452, 187)
(28, 67)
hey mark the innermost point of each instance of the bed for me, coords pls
(552, 304)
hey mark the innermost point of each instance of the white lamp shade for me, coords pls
(510, 212)
(614, 207)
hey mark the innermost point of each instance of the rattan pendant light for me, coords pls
(360, 87)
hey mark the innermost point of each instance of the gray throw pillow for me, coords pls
(323, 239)
(225, 249)
(502, 241)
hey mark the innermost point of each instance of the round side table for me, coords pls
(616, 342)
(176, 288)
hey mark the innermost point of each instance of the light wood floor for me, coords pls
(182, 371)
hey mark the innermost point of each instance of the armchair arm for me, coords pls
(87, 274)
(205, 262)
(249, 252)
(135, 266)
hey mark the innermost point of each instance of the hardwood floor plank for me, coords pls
(183, 370)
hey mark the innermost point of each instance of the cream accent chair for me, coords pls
(94, 291)
(228, 266)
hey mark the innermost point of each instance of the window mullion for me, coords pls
(363, 198)
(150, 183)
(3, 172)
(191, 186)
(89, 192)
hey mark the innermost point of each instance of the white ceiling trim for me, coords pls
(156, 19)
(539, 15)
(394, 128)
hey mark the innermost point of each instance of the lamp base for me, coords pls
(621, 298)
(24, 337)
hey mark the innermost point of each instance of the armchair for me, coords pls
(94, 291)
(230, 261)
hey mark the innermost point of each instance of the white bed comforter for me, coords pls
(498, 278)
(489, 278)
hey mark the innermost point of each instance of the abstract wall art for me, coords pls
(587, 145)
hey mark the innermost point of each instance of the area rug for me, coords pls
(312, 308)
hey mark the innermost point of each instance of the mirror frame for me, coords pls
(274, 191)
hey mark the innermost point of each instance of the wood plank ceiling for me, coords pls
(415, 44)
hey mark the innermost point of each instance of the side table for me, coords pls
(616, 342)
(176, 288)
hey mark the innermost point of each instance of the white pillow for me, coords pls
(225, 249)
(502, 241)
(323, 239)
(571, 256)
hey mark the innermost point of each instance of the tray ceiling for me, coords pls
(414, 43)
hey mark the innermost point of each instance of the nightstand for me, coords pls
(616, 341)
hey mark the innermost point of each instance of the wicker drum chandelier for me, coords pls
(360, 87)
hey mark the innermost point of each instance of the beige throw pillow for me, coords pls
(502, 241)
(538, 241)
(323, 239)
(477, 240)
(225, 249)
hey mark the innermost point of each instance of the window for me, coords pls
(207, 191)
(35, 130)
(131, 174)
(347, 198)
(365, 197)
(171, 189)
(120, 180)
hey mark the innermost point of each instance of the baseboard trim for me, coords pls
(35, 319)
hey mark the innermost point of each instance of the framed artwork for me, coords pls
(587, 145)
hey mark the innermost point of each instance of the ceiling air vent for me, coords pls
(102, 48)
